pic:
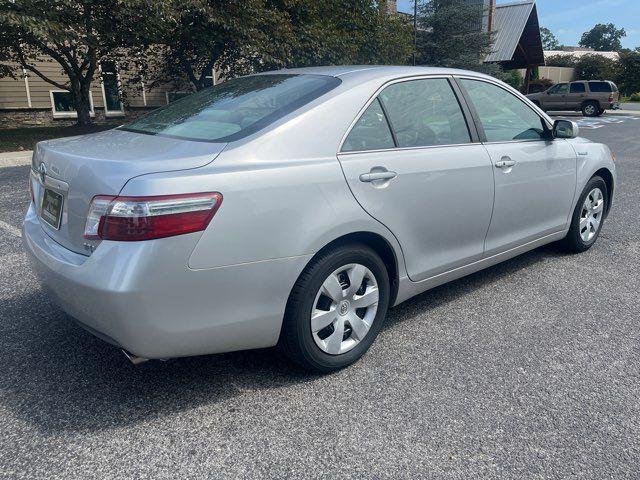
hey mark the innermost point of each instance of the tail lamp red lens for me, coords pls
(148, 218)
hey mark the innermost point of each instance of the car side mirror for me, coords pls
(565, 129)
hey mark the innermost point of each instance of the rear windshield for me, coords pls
(600, 87)
(235, 108)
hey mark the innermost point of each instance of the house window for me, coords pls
(63, 106)
(111, 89)
(173, 96)
(210, 80)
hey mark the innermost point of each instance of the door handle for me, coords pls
(506, 162)
(379, 175)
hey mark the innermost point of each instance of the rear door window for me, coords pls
(600, 87)
(577, 88)
(235, 108)
(424, 113)
(371, 132)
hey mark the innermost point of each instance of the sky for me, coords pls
(568, 19)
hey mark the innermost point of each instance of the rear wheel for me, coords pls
(336, 308)
(590, 109)
(588, 217)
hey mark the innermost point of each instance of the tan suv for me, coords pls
(591, 97)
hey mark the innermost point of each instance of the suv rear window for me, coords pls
(235, 108)
(600, 87)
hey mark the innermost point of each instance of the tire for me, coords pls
(590, 109)
(318, 351)
(578, 239)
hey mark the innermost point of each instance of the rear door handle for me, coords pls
(373, 176)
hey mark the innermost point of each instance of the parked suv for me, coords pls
(591, 97)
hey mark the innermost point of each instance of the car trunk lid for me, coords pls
(76, 169)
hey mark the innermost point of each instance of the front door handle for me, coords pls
(379, 175)
(506, 162)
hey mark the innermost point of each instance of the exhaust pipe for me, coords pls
(136, 360)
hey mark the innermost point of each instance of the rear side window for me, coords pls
(503, 116)
(596, 87)
(577, 88)
(371, 132)
(235, 108)
(425, 113)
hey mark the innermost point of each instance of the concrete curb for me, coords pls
(14, 159)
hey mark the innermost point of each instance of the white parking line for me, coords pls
(10, 229)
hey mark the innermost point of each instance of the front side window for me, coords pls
(577, 88)
(371, 132)
(503, 116)
(559, 88)
(235, 108)
(425, 113)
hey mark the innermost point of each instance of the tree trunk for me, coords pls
(81, 97)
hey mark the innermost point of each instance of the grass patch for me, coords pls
(14, 139)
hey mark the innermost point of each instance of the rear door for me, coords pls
(577, 94)
(415, 165)
(535, 175)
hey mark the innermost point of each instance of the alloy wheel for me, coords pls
(591, 214)
(344, 309)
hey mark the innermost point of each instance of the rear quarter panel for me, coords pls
(284, 192)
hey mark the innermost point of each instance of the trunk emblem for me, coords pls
(42, 169)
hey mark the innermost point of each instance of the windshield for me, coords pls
(235, 108)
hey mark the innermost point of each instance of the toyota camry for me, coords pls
(295, 207)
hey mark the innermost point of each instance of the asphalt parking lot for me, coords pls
(529, 369)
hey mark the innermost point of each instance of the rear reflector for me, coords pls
(147, 218)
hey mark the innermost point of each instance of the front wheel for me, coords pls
(336, 308)
(588, 217)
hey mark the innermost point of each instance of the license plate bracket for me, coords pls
(51, 211)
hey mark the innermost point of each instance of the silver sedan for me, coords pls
(293, 208)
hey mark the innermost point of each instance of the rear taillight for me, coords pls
(146, 218)
(610, 97)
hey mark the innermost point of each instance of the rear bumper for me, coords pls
(143, 297)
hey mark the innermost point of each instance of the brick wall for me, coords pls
(42, 117)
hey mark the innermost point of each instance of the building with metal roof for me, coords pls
(517, 42)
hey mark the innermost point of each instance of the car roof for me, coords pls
(366, 72)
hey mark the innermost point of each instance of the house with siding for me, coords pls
(28, 100)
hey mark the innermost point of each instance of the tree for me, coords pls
(244, 36)
(451, 34)
(549, 40)
(629, 72)
(76, 34)
(603, 38)
(596, 67)
(192, 37)
(565, 60)
(348, 32)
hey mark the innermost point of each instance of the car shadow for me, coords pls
(58, 377)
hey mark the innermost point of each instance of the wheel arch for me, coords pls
(607, 176)
(380, 245)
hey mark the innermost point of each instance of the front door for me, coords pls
(411, 163)
(556, 97)
(535, 176)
